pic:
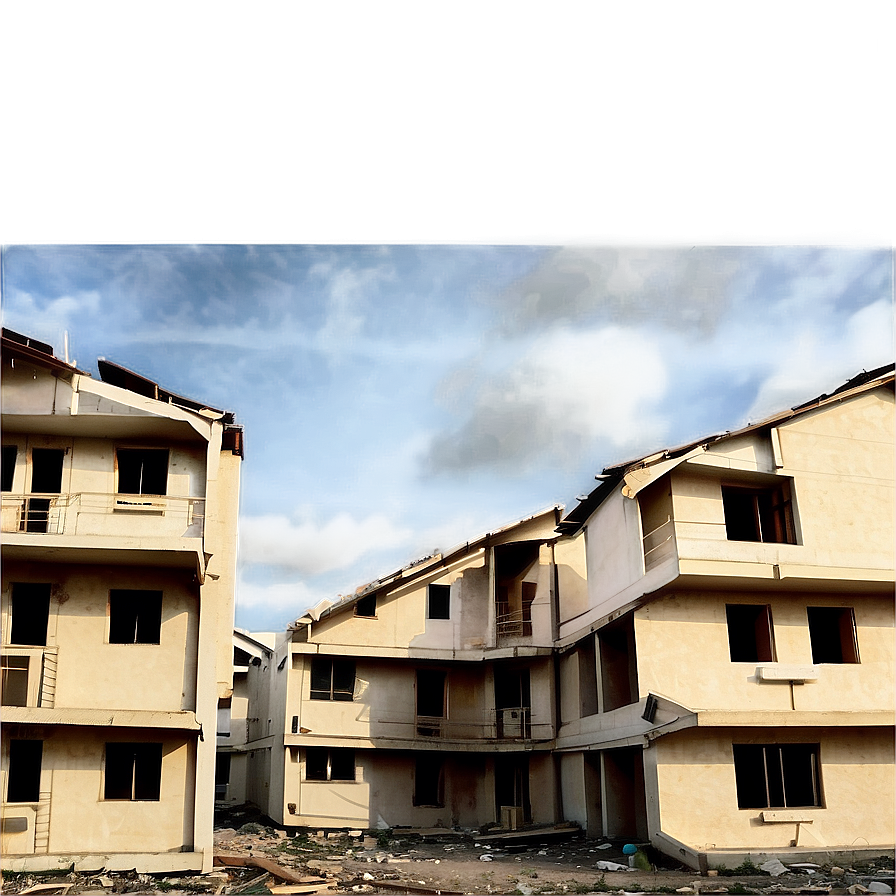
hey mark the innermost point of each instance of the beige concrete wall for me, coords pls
(92, 673)
(698, 799)
(32, 389)
(708, 679)
(569, 557)
(81, 820)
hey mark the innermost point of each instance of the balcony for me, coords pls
(29, 676)
(149, 529)
(504, 725)
(512, 623)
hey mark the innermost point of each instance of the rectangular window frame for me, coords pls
(751, 633)
(331, 765)
(438, 601)
(132, 772)
(332, 679)
(24, 773)
(142, 471)
(759, 513)
(130, 624)
(833, 647)
(429, 781)
(365, 608)
(768, 776)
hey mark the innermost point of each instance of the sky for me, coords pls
(391, 239)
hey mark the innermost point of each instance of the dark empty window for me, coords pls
(25, 758)
(222, 775)
(135, 617)
(30, 613)
(428, 781)
(750, 633)
(15, 680)
(832, 632)
(322, 764)
(759, 514)
(431, 685)
(439, 602)
(7, 467)
(332, 679)
(777, 776)
(142, 471)
(618, 663)
(366, 606)
(133, 771)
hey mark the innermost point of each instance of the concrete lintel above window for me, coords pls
(786, 672)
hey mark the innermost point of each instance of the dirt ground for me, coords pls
(399, 861)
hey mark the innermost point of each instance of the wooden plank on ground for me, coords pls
(263, 864)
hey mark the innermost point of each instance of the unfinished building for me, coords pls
(700, 656)
(727, 677)
(119, 521)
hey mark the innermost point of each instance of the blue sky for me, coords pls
(401, 399)
(404, 398)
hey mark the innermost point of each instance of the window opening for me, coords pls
(332, 679)
(777, 776)
(142, 471)
(618, 663)
(135, 617)
(759, 514)
(30, 613)
(439, 601)
(46, 478)
(366, 606)
(337, 764)
(133, 771)
(25, 757)
(751, 636)
(15, 680)
(429, 787)
(832, 633)
(222, 775)
(513, 702)
(430, 701)
(8, 467)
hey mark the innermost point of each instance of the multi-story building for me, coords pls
(727, 676)
(428, 697)
(119, 510)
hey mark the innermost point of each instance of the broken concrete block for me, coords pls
(837, 871)
(686, 890)
(876, 886)
(857, 890)
(774, 867)
(355, 834)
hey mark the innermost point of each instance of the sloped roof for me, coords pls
(426, 565)
(611, 476)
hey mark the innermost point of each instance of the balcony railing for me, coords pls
(28, 676)
(506, 724)
(102, 513)
(659, 544)
(512, 623)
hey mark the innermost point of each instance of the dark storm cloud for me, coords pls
(529, 412)
(680, 288)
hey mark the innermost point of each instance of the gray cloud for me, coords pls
(274, 540)
(529, 412)
(680, 288)
(572, 360)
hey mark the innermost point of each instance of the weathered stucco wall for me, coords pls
(92, 673)
(709, 679)
(82, 821)
(697, 782)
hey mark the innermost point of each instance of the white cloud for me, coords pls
(311, 547)
(291, 598)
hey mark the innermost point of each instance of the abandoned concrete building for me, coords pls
(119, 522)
(700, 655)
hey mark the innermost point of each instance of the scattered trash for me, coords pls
(485, 857)
(611, 866)
(774, 867)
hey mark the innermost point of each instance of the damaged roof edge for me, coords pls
(614, 474)
(413, 571)
(17, 345)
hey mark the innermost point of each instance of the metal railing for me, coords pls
(505, 724)
(659, 543)
(512, 623)
(101, 513)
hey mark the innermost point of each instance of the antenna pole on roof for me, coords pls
(65, 343)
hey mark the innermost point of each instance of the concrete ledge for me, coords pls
(142, 862)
